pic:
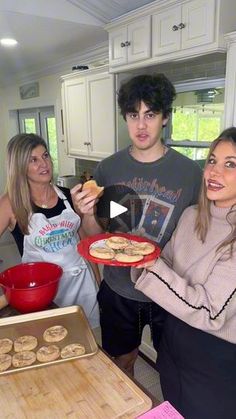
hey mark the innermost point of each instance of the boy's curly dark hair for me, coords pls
(156, 91)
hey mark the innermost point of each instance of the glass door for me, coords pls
(41, 121)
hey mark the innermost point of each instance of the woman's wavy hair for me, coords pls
(19, 151)
(203, 213)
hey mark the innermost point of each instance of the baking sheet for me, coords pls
(72, 318)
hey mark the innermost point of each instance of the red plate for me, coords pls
(84, 245)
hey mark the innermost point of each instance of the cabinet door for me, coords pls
(76, 126)
(166, 35)
(117, 46)
(198, 16)
(139, 39)
(101, 115)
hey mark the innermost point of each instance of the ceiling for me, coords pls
(52, 32)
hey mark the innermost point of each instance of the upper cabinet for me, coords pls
(88, 102)
(130, 43)
(183, 27)
(169, 30)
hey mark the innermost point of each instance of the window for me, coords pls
(197, 117)
(41, 121)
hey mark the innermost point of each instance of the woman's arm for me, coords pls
(7, 218)
(204, 306)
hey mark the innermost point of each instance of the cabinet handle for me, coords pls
(175, 28)
(127, 43)
(181, 25)
(122, 44)
(86, 143)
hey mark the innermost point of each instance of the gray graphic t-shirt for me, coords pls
(164, 187)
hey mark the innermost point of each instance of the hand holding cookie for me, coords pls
(84, 202)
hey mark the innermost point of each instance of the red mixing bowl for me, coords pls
(31, 286)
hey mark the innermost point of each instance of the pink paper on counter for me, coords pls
(164, 411)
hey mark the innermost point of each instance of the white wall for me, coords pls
(50, 95)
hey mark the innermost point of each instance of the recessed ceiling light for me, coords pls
(8, 42)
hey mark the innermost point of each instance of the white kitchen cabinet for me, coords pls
(168, 30)
(183, 26)
(130, 43)
(88, 102)
(230, 81)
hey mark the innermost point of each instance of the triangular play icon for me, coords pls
(116, 209)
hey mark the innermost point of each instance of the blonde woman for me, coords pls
(195, 281)
(43, 222)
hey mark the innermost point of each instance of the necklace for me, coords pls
(46, 201)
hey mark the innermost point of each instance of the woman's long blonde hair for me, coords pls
(203, 213)
(19, 151)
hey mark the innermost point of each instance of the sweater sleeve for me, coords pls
(201, 306)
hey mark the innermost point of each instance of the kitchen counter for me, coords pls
(10, 311)
(92, 387)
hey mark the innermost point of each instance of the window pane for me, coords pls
(183, 124)
(198, 115)
(209, 128)
(193, 152)
(30, 125)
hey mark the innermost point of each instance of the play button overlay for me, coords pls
(116, 209)
(121, 206)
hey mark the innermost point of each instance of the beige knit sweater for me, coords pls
(192, 280)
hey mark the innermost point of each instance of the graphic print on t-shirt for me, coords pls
(155, 218)
(157, 205)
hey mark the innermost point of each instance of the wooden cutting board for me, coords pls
(93, 388)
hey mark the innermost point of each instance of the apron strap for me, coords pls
(62, 196)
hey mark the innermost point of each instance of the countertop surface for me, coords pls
(92, 387)
(10, 311)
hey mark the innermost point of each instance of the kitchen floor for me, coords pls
(144, 373)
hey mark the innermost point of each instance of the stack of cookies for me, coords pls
(121, 249)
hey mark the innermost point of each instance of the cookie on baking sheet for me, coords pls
(74, 349)
(48, 353)
(5, 345)
(23, 359)
(25, 343)
(102, 252)
(140, 248)
(122, 257)
(5, 362)
(117, 242)
(55, 333)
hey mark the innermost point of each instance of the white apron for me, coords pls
(55, 240)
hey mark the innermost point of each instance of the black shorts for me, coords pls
(122, 321)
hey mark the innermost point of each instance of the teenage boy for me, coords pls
(166, 182)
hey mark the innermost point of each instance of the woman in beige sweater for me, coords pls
(195, 281)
